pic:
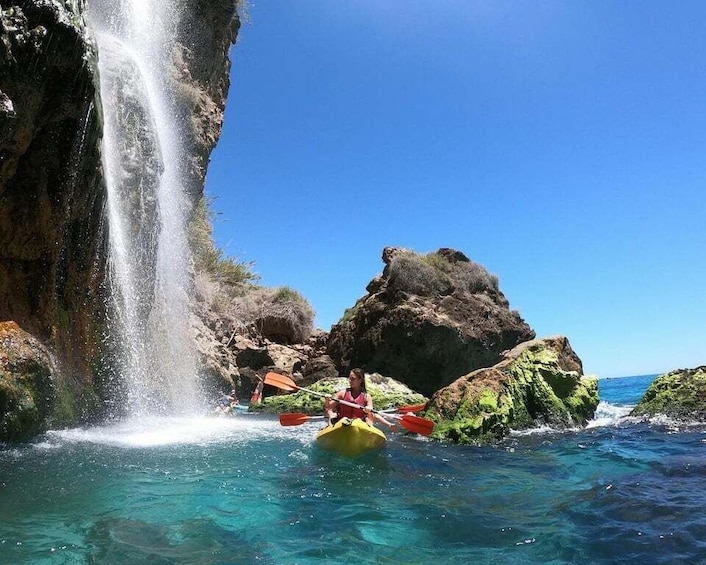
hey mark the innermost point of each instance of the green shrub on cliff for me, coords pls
(280, 311)
(208, 258)
(227, 286)
(434, 274)
(409, 272)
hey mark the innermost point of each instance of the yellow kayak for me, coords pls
(351, 437)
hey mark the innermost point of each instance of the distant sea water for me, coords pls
(245, 490)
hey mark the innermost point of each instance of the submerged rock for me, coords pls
(539, 382)
(427, 320)
(679, 394)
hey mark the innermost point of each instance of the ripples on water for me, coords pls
(245, 490)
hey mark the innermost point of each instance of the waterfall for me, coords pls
(147, 207)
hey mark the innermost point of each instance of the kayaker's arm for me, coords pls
(380, 418)
(369, 414)
(331, 406)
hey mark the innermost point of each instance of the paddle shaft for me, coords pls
(353, 404)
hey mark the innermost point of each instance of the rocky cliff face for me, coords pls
(52, 197)
(427, 320)
(201, 72)
(51, 200)
(235, 356)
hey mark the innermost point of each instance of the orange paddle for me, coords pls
(412, 408)
(297, 419)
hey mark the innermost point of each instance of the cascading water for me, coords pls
(147, 206)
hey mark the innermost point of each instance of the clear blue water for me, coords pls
(245, 490)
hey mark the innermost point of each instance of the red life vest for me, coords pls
(350, 412)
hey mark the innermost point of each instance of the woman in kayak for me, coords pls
(356, 393)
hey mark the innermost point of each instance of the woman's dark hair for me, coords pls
(358, 372)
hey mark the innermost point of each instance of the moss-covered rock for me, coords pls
(26, 384)
(539, 382)
(679, 394)
(386, 393)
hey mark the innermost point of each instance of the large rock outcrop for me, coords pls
(244, 331)
(427, 320)
(540, 382)
(679, 394)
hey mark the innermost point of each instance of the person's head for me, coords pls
(357, 377)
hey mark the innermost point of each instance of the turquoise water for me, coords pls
(246, 490)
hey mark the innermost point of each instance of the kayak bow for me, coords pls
(351, 437)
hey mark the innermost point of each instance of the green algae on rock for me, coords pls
(26, 384)
(679, 394)
(539, 382)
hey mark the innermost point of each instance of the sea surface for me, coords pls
(246, 490)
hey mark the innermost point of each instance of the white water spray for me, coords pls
(147, 205)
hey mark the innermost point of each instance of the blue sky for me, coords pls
(562, 145)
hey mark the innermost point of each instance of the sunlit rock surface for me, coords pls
(27, 392)
(679, 394)
(538, 383)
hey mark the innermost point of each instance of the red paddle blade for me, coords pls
(280, 381)
(295, 419)
(411, 408)
(417, 424)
